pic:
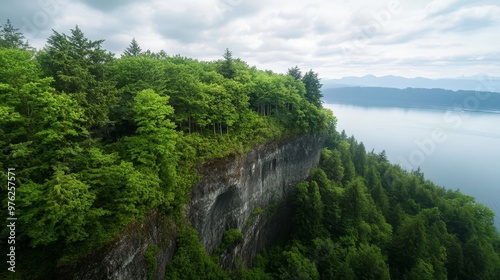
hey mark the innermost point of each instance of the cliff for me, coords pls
(124, 258)
(230, 190)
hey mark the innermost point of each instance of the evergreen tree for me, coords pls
(80, 68)
(313, 88)
(133, 49)
(295, 73)
(308, 210)
(11, 38)
(227, 68)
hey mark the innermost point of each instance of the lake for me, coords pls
(454, 149)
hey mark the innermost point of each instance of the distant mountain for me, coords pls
(436, 99)
(475, 83)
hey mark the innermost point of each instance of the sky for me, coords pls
(335, 38)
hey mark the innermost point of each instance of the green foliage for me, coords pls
(99, 142)
(332, 164)
(256, 212)
(296, 266)
(308, 210)
(227, 68)
(133, 49)
(191, 261)
(295, 73)
(313, 88)
(11, 38)
(61, 209)
(432, 234)
(151, 262)
(230, 239)
(79, 67)
(367, 262)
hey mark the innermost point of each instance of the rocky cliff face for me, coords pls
(232, 188)
(124, 258)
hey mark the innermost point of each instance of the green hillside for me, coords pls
(97, 141)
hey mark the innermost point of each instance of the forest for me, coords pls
(98, 141)
(358, 216)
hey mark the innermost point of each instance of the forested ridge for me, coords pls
(360, 217)
(434, 99)
(97, 142)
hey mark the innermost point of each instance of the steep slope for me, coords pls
(226, 197)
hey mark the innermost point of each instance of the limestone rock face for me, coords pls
(232, 188)
(227, 195)
(124, 257)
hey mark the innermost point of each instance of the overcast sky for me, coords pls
(336, 38)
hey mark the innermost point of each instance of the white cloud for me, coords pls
(336, 38)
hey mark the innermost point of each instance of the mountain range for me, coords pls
(479, 82)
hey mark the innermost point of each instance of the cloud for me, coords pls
(334, 37)
(108, 5)
(470, 18)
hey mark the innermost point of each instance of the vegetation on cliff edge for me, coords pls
(98, 141)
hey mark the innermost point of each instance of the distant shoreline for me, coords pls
(415, 98)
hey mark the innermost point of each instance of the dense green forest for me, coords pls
(360, 217)
(97, 142)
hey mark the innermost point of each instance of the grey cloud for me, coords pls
(32, 17)
(437, 8)
(109, 5)
(277, 35)
(473, 18)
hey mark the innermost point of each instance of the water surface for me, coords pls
(454, 149)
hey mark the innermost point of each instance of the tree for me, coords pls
(295, 73)
(345, 156)
(59, 210)
(409, 244)
(50, 125)
(79, 67)
(332, 164)
(153, 145)
(367, 262)
(296, 266)
(308, 210)
(133, 49)
(155, 131)
(313, 88)
(359, 158)
(11, 38)
(354, 203)
(227, 68)
(481, 261)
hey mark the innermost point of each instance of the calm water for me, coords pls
(456, 150)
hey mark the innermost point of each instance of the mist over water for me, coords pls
(454, 149)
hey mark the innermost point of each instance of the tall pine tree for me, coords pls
(313, 88)
(133, 49)
(227, 68)
(11, 38)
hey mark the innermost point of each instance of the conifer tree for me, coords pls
(295, 73)
(227, 68)
(79, 67)
(11, 38)
(313, 88)
(133, 49)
